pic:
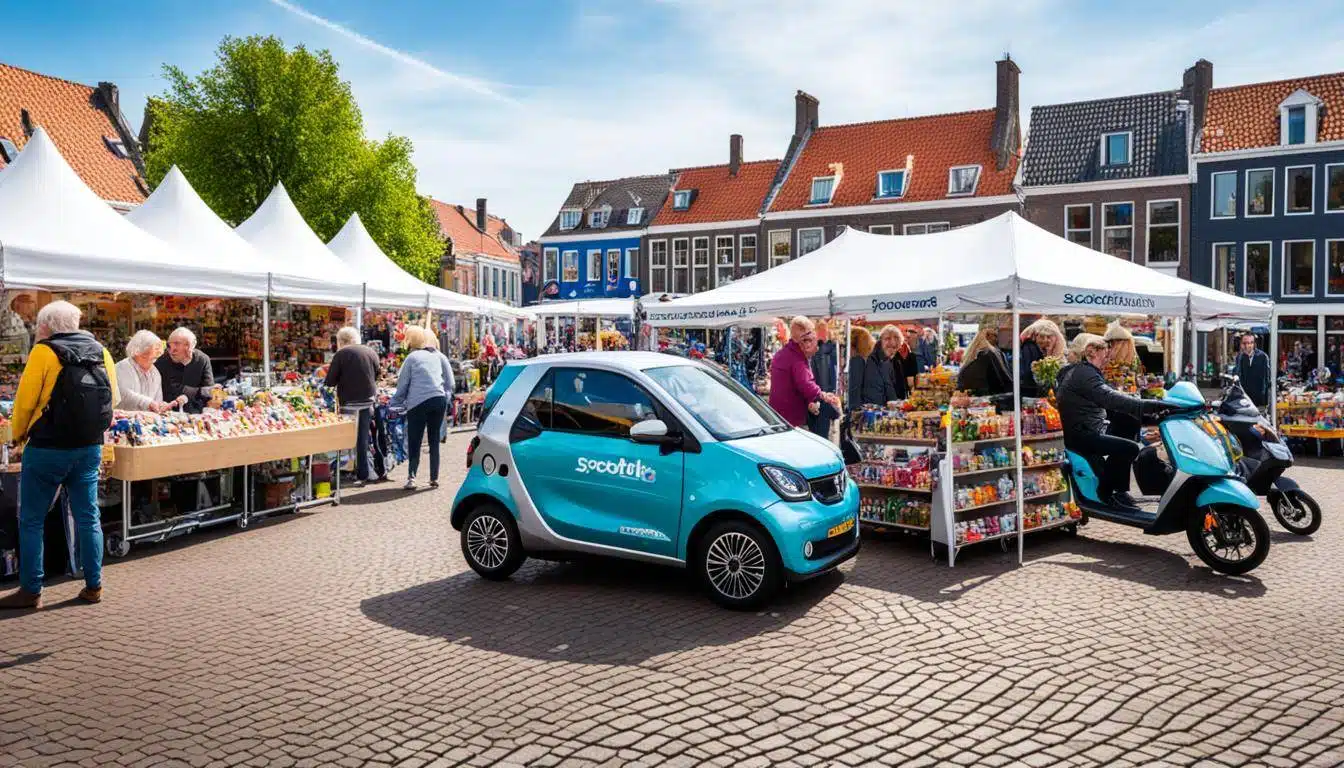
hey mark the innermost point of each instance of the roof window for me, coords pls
(8, 152)
(681, 199)
(823, 189)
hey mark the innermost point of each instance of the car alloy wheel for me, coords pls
(735, 565)
(487, 541)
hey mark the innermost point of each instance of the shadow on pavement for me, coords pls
(1157, 568)
(604, 612)
(377, 494)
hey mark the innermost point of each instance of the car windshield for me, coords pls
(727, 409)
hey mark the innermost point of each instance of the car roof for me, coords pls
(633, 361)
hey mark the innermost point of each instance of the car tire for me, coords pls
(490, 542)
(738, 565)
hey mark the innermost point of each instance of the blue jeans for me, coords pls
(45, 472)
(426, 416)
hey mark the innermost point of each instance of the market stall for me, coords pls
(609, 315)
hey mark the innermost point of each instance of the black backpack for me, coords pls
(80, 409)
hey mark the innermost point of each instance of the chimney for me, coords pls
(110, 96)
(480, 213)
(804, 114)
(1196, 84)
(27, 120)
(1007, 130)
(734, 153)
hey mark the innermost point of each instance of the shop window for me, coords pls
(890, 183)
(1260, 192)
(723, 259)
(1225, 267)
(597, 403)
(700, 264)
(1299, 268)
(570, 219)
(1115, 148)
(1224, 195)
(882, 229)
(1334, 190)
(658, 266)
(570, 273)
(594, 266)
(925, 229)
(1334, 267)
(1164, 231)
(746, 244)
(962, 180)
(681, 265)
(810, 240)
(1078, 224)
(780, 248)
(1257, 268)
(613, 265)
(550, 264)
(1299, 189)
(631, 262)
(823, 188)
(1117, 230)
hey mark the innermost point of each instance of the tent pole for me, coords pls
(844, 390)
(1274, 367)
(1017, 420)
(266, 333)
(363, 307)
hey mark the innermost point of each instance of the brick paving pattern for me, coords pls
(357, 635)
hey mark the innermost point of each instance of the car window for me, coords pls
(537, 409)
(721, 405)
(597, 402)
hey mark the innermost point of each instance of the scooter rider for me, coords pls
(1084, 398)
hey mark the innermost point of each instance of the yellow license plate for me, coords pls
(844, 527)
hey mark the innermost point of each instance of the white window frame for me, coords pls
(974, 186)
(589, 264)
(1091, 223)
(1328, 241)
(1148, 231)
(1213, 267)
(742, 249)
(631, 219)
(1310, 117)
(1133, 211)
(631, 265)
(655, 268)
(1246, 184)
(698, 264)
(577, 265)
(905, 184)
(606, 272)
(676, 195)
(1129, 149)
(1213, 194)
(719, 249)
(604, 212)
(799, 245)
(1325, 199)
(906, 229)
(882, 229)
(1286, 190)
(1285, 258)
(1246, 272)
(685, 268)
(770, 246)
(577, 213)
(835, 183)
(546, 275)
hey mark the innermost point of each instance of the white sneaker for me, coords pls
(410, 484)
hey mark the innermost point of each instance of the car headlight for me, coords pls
(788, 483)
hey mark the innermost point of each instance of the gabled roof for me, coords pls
(647, 192)
(76, 119)
(458, 223)
(1247, 116)
(720, 196)
(1064, 145)
(936, 142)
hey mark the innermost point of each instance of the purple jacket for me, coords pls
(792, 387)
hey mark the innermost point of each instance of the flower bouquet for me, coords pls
(1046, 371)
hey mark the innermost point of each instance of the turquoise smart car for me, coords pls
(656, 458)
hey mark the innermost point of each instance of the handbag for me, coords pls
(849, 447)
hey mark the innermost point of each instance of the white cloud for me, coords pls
(671, 80)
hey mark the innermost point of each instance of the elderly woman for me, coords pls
(1040, 340)
(138, 379)
(1122, 365)
(424, 385)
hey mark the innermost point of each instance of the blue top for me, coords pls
(424, 374)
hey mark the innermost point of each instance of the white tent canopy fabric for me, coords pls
(56, 233)
(605, 308)
(982, 267)
(355, 247)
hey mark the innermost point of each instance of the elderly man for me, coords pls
(793, 390)
(63, 406)
(1253, 370)
(186, 372)
(354, 374)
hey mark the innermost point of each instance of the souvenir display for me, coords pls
(890, 466)
(983, 494)
(1033, 456)
(1311, 414)
(1040, 417)
(897, 423)
(980, 423)
(895, 509)
(988, 527)
(235, 416)
(1049, 515)
(986, 458)
(1043, 482)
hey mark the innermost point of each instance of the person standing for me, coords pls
(888, 357)
(1253, 370)
(823, 364)
(793, 391)
(424, 385)
(186, 372)
(869, 382)
(62, 408)
(926, 351)
(354, 374)
(1040, 340)
(138, 379)
(984, 371)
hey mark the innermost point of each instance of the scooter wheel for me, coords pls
(1230, 539)
(1297, 511)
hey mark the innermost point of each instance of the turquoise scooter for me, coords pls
(1189, 484)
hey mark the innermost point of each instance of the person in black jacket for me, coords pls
(188, 379)
(1084, 400)
(869, 381)
(823, 363)
(984, 371)
(1253, 370)
(887, 355)
(1040, 340)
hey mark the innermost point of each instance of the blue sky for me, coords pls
(515, 100)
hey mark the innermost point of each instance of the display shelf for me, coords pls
(169, 459)
(875, 487)
(1000, 502)
(895, 439)
(905, 526)
(1047, 465)
(1048, 495)
(1049, 526)
(991, 470)
(1043, 436)
(986, 441)
(995, 537)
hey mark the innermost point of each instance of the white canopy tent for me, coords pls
(601, 309)
(355, 247)
(56, 233)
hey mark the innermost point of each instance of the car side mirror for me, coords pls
(653, 432)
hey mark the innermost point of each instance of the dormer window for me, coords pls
(1115, 149)
(117, 147)
(8, 152)
(570, 219)
(1298, 118)
(890, 183)
(823, 188)
(1297, 125)
(597, 219)
(681, 199)
(634, 216)
(962, 180)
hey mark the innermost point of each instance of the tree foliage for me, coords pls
(265, 114)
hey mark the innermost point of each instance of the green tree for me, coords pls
(265, 114)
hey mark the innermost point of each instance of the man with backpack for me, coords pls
(62, 408)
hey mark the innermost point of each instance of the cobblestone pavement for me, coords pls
(357, 635)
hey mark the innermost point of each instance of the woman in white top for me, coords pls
(138, 379)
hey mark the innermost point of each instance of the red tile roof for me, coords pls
(458, 223)
(937, 142)
(1247, 116)
(719, 196)
(71, 118)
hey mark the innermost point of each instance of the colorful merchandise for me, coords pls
(912, 425)
(883, 466)
(1002, 489)
(1047, 515)
(236, 416)
(1042, 482)
(1040, 417)
(895, 509)
(989, 527)
(988, 457)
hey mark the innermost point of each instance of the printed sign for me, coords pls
(1120, 300)
(634, 470)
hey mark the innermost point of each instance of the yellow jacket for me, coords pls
(36, 384)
